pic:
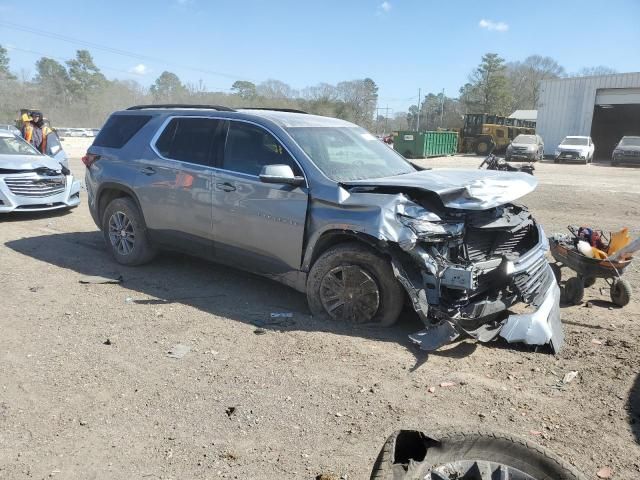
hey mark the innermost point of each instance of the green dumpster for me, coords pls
(412, 144)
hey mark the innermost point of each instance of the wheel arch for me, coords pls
(334, 236)
(108, 192)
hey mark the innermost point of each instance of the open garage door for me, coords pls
(616, 114)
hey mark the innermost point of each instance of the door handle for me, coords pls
(225, 187)
(148, 171)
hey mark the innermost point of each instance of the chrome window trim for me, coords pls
(161, 129)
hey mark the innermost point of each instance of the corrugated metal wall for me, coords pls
(566, 105)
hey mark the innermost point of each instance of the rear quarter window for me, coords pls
(119, 129)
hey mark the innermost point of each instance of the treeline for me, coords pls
(496, 87)
(76, 93)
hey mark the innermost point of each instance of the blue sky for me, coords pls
(401, 44)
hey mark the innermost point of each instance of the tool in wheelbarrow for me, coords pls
(491, 162)
(579, 253)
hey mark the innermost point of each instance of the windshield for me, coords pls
(630, 142)
(527, 139)
(349, 153)
(16, 146)
(574, 141)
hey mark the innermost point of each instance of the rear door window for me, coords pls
(119, 129)
(249, 148)
(192, 140)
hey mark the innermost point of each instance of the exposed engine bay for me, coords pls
(464, 269)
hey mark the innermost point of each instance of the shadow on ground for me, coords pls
(209, 287)
(218, 290)
(634, 409)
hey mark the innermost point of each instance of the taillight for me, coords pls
(89, 158)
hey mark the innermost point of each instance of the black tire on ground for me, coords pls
(556, 160)
(510, 451)
(370, 264)
(573, 291)
(614, 164)
(557, 272)
(482, 147)
(589, 281)
(140, 249)
(621, 292)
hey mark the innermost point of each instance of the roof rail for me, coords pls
(288, 110)
(182, 105)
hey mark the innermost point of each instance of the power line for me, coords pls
(126, 53)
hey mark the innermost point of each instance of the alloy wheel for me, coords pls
(350, 294)
(121, 233)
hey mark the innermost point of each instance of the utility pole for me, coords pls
(386, 117)
(442, 109)
(418, 122)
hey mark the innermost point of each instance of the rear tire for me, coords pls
(482, 147)
(125, 233)
(476, 448)
(376, 298)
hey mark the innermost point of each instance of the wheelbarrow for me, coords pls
(587, 271)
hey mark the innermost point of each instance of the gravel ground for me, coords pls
(88, 390)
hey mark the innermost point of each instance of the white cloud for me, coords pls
(493, 26)
(140, 69)
(384, 7)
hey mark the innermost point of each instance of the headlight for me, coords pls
(426, 229)
(531, 148)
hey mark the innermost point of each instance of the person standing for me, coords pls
(27, 128)
(37, 138)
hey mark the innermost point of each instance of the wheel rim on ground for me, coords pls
(476, 470)
(121, 233)
(482, 148)
(349, 294)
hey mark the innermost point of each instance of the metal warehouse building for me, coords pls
(605, 107)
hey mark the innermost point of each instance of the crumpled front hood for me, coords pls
(28, 162)
(461, 189)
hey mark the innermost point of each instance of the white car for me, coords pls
(31, 181)
(575, 149)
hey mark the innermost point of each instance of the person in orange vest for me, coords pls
(27, 128)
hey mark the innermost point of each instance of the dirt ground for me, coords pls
(88, 391)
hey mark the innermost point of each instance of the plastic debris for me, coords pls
(569, 377)
(98, 279)
(178, 351)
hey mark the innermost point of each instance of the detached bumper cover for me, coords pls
(539, 327)
(68, 197)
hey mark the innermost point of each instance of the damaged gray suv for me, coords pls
(321, 205)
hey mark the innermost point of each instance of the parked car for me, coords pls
(575, 149)
(321, 205)
(525, 147)
(31, 181)
(10, 128)
(627, 151)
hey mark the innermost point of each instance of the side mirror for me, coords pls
(280, 174)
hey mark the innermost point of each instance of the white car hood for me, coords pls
(28, 162)
(461, 189)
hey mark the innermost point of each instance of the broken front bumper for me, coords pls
(537, 291)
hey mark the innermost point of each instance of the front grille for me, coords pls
(569, 154)
(485, 244)
(631, 153)
(531, 282)
(36, 187)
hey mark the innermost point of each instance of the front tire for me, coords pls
(353, 284)
(125, 233)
